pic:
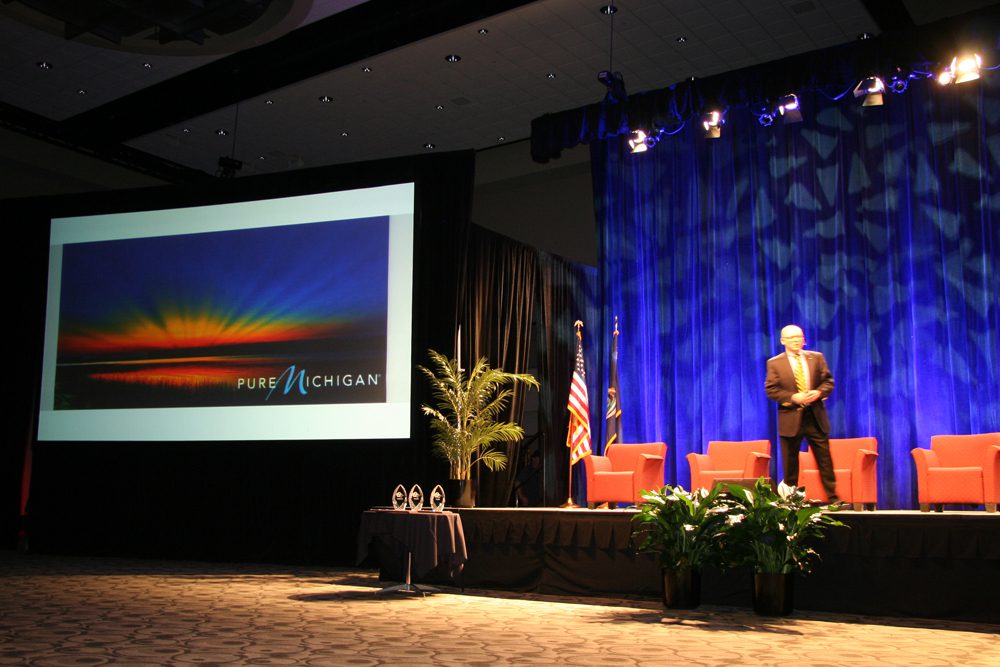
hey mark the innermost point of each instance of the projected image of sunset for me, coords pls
(291, 314)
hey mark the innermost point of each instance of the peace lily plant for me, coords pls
(684, 528)
(773, 531)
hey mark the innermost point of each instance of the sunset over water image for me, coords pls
(199, 319)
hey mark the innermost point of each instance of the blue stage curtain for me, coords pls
(875, 229)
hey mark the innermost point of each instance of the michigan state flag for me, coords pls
(613, 427)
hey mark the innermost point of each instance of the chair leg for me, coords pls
(991, 507)
(859, 507)
(870, 506)
(939, 507)
(925, 507)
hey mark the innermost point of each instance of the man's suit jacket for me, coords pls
(780, 385)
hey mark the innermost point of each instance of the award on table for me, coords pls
(437, 499)
(416, 498)
(399, 498)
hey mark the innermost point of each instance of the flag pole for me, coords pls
(569, 504)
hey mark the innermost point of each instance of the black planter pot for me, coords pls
(681, 588)
(460, 493)
(773, 594)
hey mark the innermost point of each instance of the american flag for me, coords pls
(578, 437)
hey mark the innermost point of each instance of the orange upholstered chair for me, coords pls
(959, 469)
(730, 460)
(625, 471)
(854, 466)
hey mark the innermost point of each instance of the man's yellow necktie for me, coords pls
(800, 374)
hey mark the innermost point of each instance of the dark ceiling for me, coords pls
(285, 84)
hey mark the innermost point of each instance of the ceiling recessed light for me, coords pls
(483, 31)
(261, 157)
(865, 35)
(681, 39)
(148, 65)
(500, 140)
(186, 130)
(268, 102)
(440, 107)
(325, 99)
(222, 132)
(345, 133)
(453, 57)
(429, 146)
(609, 10)
(44, 64)
(551, 75)
(366, 69)
(81, 91)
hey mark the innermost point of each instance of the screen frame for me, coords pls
(390, 420)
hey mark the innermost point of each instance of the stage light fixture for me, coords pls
(870, 88)
(615, 84)
(962, 69)
(966, 67)
(637, 141)
(228, 167)
(712, 122)
(788, 107)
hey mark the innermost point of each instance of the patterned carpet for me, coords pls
(88, 611)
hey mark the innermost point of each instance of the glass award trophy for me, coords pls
(399, 498)
(416, 498)
(437, 499)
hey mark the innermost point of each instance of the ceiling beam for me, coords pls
(363, 31)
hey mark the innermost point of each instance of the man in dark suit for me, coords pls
(799, 382)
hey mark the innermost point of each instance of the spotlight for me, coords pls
(615, 85)
(961, 70)
(637, 142)
(788, 107)
(640, 142)
(228, 167)
(870, 88)
(713, 122)
(899, 82)
(966, 68)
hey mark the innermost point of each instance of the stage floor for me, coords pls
(94, 611)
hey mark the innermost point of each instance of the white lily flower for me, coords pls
(785, 490)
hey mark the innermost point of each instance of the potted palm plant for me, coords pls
(465, 418)
(685, 530)
(772, 531)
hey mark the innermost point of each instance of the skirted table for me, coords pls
(425, 543)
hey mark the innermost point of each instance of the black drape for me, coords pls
(518, 307)
(566, 295)
(244, 501)
(501, 276)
